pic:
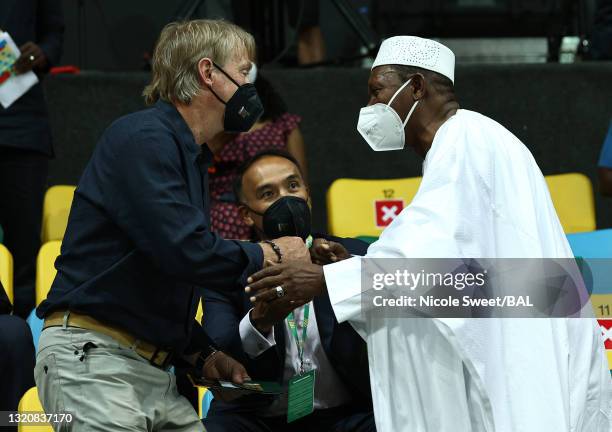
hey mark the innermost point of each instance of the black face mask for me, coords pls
(243, 109)
(287, 216)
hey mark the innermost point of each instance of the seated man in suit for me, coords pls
(274, 200)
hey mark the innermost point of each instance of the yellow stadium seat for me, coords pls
(56, 209)
(45, 269)
(365, 207)
(602, 305)
(6, 271)
(201, 392)
(572, 195)
(29, 403)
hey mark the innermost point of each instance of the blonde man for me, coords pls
(138, 245)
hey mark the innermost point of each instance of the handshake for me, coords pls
(293, 249)
(292, 276)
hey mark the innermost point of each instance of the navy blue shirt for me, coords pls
(138, 246)
(25, 124)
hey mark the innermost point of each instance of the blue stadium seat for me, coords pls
(594, 244)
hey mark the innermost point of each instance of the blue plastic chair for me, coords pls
(206, 400)
(595, 250)
(594, 244)
(36, 326)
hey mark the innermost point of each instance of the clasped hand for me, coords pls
(299, 283)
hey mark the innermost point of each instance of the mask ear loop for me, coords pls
(410, 112)
(226, 74)
(413, 106)
(229, 77)
(398, 91)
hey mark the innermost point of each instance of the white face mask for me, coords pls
(382, 127)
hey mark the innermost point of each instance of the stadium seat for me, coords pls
(56, 209)
(595, 249)
(205, 397)
(365, 207)
(29, 403)
(45, 273)
(594, 244)
(45, 268)
(6, 271)
(572, 195)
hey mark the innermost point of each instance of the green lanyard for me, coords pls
(300, 343)
(309, 241)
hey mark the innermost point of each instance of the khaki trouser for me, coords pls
(106, 386)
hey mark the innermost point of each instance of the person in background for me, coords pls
(276, 129)
(304, 18)
(37, 27)
(258, 16)
(16, 358)
(271, 193)
(605, 165)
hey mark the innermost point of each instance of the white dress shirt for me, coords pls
(329, 390)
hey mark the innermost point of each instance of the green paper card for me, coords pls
(301, 396)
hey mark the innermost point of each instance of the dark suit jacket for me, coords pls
(345, 349)
(5, 304)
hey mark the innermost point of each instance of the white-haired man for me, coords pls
(482, 196)
(138, 246)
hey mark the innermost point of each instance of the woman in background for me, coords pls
(276, 129)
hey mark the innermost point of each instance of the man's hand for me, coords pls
(326, 252)
(220, 366)
(266, 314)
(32, 57)
(300, 281)
(292, 249)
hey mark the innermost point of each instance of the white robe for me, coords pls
(482, 196)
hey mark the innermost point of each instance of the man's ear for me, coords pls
(205, 68)
(245, 214)
(419, 86)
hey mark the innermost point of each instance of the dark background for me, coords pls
(561, 112)
(118, 34)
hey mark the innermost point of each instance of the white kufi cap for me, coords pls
(419, 52)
